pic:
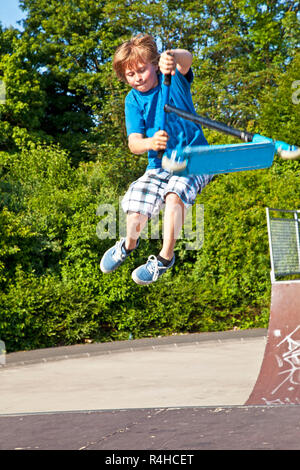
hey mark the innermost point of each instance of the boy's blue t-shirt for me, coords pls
(143, 115)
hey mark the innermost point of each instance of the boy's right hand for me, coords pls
(159, 141)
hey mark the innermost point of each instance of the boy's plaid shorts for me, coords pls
(147, 194)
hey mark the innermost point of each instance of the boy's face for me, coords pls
(142, 77)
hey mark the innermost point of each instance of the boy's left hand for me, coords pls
(167, 63)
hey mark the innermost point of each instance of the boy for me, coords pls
(138, 64)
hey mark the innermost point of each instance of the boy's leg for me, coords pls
(117, 254)
(180, 194)
(173, 221)
(174, 217)
(135, 224)
(143, 198)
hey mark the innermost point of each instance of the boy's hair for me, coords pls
(139, 49)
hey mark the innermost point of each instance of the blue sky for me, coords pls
(10, 13)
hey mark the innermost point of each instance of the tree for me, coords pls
(22, 112)
(242, 49)
(280, 106)
(66, 48)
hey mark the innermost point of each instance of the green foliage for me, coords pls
(63, 154)
(284, 124)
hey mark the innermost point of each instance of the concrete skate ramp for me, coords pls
(278, 382)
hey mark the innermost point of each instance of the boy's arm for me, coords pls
(175, 58)
(139, 144)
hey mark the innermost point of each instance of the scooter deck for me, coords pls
(215, 159)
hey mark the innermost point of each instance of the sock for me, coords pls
(129, 251)
(164, 261)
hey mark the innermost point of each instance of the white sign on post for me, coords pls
(2, 353)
